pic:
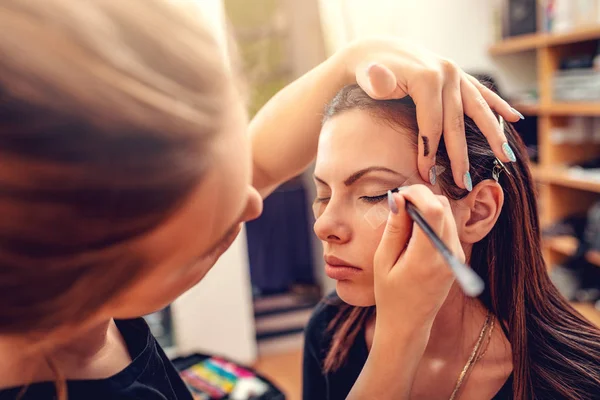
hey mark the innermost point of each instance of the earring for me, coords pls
(497, 169)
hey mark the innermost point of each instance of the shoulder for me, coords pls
(137, 335)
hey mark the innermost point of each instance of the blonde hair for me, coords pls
(106, 111)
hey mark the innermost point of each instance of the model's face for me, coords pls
(359, 159)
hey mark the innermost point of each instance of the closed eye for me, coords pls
(374, 199)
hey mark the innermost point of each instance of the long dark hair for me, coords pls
(556, 352)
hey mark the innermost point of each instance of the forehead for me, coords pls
(354, 140)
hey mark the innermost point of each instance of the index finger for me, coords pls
(476, 107)
(430, 121)
(496, 102)
(395, 236)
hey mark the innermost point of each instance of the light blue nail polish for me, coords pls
(432, 175)
(392, 202)
(508, 152)
(517, 113)
(467, 181)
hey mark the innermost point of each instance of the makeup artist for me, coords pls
(127, 167)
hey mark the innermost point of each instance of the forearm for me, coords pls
(391, 366)
(285, 132)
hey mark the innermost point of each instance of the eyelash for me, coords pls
(367, 199)
(374, 199)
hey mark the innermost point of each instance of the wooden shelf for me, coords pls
(567, 245)
(574, 109)
(562, 177)
(588, 311)
(517, 44)
(575, 36)
(533, 41)
(527, 109)
(560, 109)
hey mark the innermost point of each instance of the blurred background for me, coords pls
(544, 58)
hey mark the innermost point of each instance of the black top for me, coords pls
(150, 376)
(337, 385)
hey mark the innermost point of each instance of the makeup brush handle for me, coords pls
(469, 281)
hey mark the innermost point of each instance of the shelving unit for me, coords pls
(566, 246)
(562, 177)
(536, 41)
(561, 109)
(561, 191)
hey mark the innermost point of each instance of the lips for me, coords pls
(338, 269)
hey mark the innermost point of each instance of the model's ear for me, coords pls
(479, 211)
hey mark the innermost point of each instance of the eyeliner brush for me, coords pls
(468, 279)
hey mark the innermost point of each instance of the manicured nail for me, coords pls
(517, 113)
(373, 66)
(508, 152)
(467, 181)
(432, 176)
(392, 203)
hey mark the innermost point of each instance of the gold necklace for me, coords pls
(473, 357)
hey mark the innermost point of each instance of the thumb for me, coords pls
(378, 81)
(397, 232)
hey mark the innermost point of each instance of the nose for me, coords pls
(254, 205)
(330, 228)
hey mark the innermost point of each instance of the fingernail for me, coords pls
(373, 67)
(392, 203)
(508, 152)
(467, 181)
(432, 175)
(517, 113)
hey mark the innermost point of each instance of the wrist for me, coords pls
(344, 61)
(400, 334)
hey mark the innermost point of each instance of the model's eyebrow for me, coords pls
(361, 173)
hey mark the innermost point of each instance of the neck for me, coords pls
(89, 344)
(455, 329)
(18, 367)
(457, 325)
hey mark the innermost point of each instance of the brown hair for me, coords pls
(107, 109)
(556, 352)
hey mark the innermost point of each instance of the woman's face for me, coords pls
(359, 159)
(185, 248)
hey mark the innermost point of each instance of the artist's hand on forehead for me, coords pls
(442, 92)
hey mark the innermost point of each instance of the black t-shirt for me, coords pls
(337, 385)
(150, 376)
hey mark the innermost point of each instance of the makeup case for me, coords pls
(216, 378)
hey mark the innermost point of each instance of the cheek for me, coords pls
(368, 238)
(376, 216)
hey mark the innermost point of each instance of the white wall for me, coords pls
(461, 30)
(217, 315)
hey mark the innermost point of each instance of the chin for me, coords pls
(355, 295)
(151, 300)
